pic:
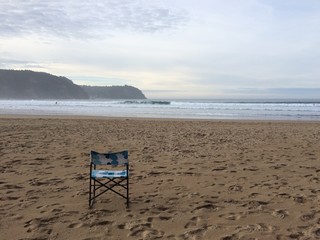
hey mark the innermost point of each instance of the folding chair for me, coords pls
(106, 178)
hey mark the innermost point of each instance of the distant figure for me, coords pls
(56, 102)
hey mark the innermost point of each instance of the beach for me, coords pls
(189, 179)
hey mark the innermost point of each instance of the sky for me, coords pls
(170, 49)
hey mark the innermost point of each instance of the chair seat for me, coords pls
(108, 174)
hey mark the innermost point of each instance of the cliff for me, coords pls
(24, 84)
(16, 84)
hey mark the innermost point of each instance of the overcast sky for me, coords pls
(170, 48)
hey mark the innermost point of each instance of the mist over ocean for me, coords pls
(180, 109)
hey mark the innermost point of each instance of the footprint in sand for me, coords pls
(100, 223)
(317, 232)
(307, 217)
(15, 217)
(280, 213)
(299, 199)
(145, 231)
(164, 218)
(197, 233)
(52, 208)
(77, 225)
(10, 186)
(206, 207)
(231, 216)
(255, 204)
(235, 188)
(48, 182)
(194, 221)
(230, 237)
(297, 235)
(40, 225)
(152, 234)
(260, 227)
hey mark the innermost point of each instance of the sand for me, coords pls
(189, 179)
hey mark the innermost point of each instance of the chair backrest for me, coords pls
(110, 158)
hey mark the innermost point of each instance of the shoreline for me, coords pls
(189, 179)
(89, 117)
(193, 109)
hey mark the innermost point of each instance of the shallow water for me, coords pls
(185, 109)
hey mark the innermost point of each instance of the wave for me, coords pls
(146, 102)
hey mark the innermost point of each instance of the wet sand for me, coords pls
(189, 179)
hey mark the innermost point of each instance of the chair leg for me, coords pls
(90, 193)
(93, 188)
(128, 192)
(94, 191)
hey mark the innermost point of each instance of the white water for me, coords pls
(194, 109)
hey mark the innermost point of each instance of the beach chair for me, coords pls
(109, 171)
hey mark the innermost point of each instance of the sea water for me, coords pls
(181, 109)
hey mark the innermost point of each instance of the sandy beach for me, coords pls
(189, 179)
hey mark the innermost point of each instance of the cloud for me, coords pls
(275, 93)
(181, 48)
(9, 63)
(70, 18)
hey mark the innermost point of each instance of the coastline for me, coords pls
(178, 109)
(190, 179)
(93, 117)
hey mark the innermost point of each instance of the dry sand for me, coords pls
(190, 179)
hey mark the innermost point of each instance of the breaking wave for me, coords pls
(147, 102)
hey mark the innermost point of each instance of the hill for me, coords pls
(114, 92)
(25, 84)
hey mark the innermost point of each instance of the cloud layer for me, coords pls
(169, 49)
(85, 18)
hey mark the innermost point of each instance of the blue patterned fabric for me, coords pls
(108, 174)
(114, 159)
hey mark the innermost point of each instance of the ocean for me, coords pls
(178, 109)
